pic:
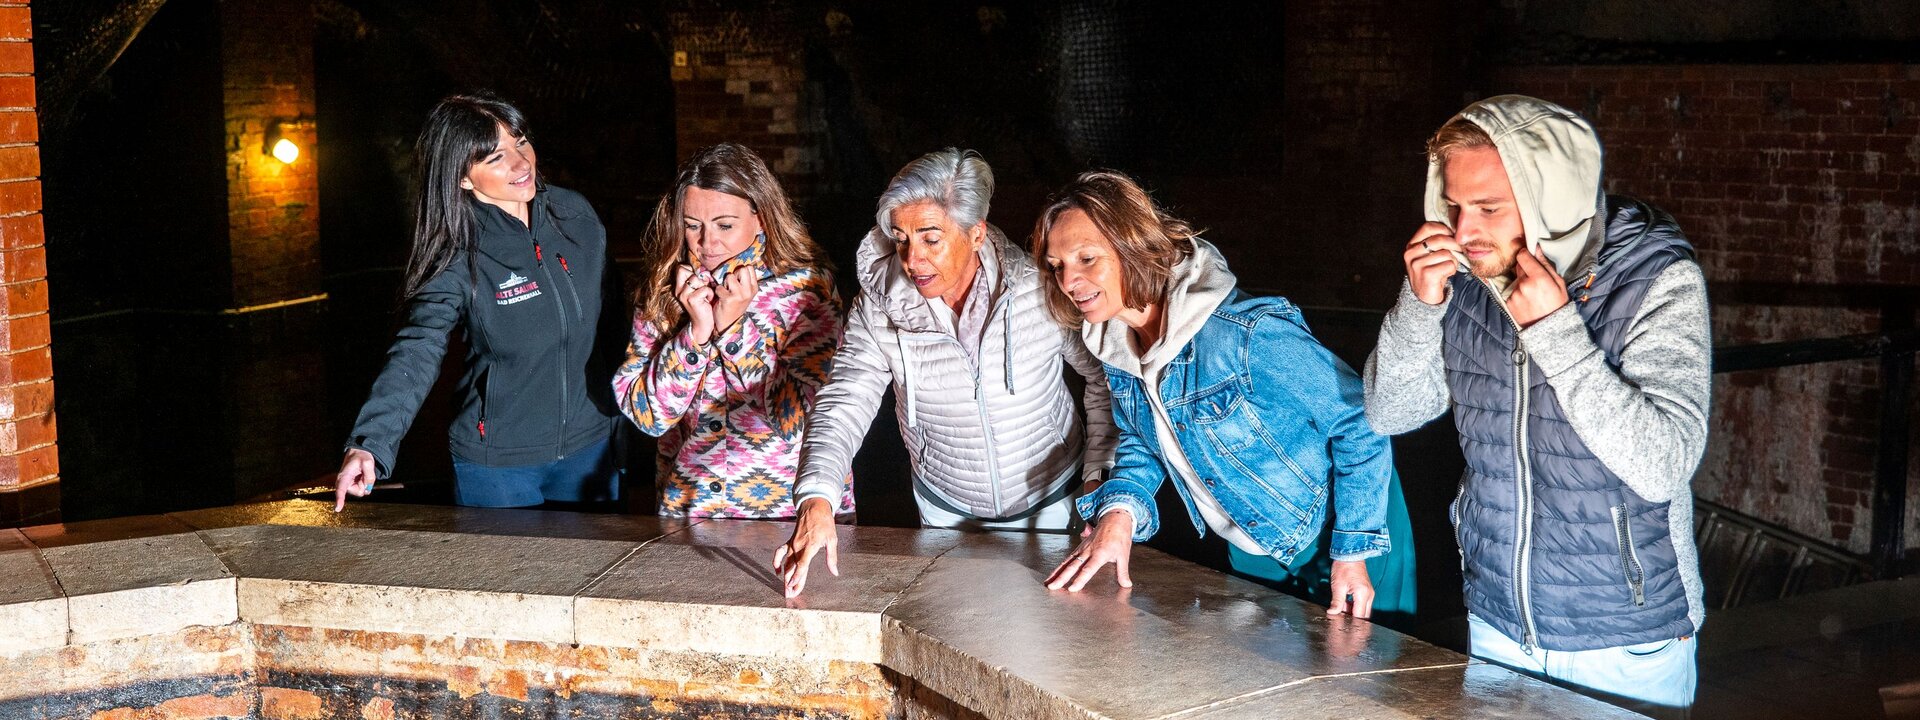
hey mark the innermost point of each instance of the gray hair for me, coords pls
(959, 181)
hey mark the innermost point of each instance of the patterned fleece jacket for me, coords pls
(730, 415)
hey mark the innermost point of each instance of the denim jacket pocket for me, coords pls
(1237, 440)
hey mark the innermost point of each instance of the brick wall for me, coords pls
(742, 81)
(273, 207)
(1789, 176)
(29, 463)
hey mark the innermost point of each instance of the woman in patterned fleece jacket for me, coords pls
(733, 333)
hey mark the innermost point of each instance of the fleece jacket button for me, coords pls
(733, 348)
(714, 486)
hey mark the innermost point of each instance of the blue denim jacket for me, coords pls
(1271, 421)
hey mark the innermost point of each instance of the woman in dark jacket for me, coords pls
(521, 267)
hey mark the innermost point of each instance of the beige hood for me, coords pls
(1198, 286)
(1553, 160)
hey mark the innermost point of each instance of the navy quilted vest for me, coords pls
(1599, 566)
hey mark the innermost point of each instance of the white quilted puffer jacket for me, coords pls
(994, 440)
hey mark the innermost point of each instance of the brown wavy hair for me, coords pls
(737, 171)
(1147, 240)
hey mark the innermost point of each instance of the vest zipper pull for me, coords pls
(563, 264)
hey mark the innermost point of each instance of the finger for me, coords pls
(1339, 604)
(779, 555)
(799, 581)
(340, 495)
(1086, 530)
(1065, 572)
(1433, 260)
(1088, 571)
(1120, 570)
(1362, 602)
(1427, 232)
(680, 275)
(1445, 242)
(833, 558)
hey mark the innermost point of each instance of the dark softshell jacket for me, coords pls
(540, 349)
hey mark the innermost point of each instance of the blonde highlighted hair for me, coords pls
(1458, 134)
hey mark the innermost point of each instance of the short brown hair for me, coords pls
(1458, 134)
(1147, 240)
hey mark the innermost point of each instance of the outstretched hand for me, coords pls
(813, 532)
(357, 473)
(1111, 542)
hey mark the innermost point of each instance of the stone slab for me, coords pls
(419, 582)
(412, 610)
(116, 565)
(32, 608)
(1473, 690)
(762, 536)
(147, 585)
(92, 531)
(1182, 637)
(729, 600)
(435, 518)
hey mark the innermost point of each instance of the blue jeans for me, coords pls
(1655, 678)
(589, 474)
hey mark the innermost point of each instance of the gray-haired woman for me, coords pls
(954, 317)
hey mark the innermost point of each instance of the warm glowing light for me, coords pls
(285, 151)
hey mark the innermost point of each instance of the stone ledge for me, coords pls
(964, 615)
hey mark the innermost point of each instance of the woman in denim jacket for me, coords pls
(1231, 396)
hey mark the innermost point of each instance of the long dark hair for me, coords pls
(461, 130)
(737, 171)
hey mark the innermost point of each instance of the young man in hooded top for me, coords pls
(1567, 330)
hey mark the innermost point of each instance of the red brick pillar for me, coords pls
(29, 464)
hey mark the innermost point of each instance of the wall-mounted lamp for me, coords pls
(283, 138)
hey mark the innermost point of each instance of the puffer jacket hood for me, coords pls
(878, 268)
(1553, 161)
(1198, 286)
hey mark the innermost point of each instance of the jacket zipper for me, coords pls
(573, 290)
(1456, 513)
(539, 260)
(1523, 482)
(1629, 557)
(487, 376)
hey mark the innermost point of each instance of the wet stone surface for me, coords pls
(393, 611)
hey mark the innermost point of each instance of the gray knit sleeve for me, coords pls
(1648, 422)
(1406, 376)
